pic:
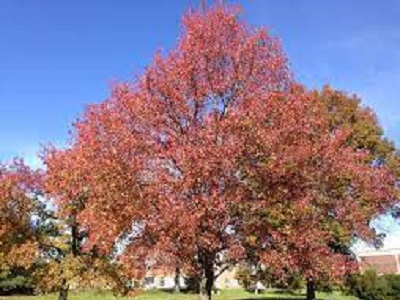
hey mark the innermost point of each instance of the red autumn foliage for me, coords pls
(214, 153)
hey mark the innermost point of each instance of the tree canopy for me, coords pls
(19, 186)
(215, 154)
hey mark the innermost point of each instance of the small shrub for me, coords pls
(16, 285)
(244, 277)
(295, 283)
(325, 285)
(393, 282)
(370, 286)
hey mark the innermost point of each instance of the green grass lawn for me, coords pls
(159, 295)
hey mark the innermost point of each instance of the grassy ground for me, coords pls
(158, 295)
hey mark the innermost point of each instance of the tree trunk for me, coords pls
(63, 294)
(209, 272)
(207, 279)
(256, 291)
(177, 288)
(310, 289)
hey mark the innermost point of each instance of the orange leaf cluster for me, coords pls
(18, 184)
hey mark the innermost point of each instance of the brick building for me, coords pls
(383, 261)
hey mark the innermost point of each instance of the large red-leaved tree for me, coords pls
(214, 154)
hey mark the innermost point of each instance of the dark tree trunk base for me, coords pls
(207, 280)
(310, 289)
(177, 288)
(63, 295)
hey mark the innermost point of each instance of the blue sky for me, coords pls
(58, 56)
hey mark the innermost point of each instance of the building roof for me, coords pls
(383, 261)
